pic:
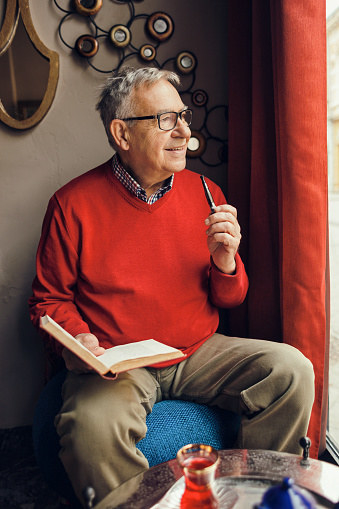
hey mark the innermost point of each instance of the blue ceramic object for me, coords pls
(286, 496)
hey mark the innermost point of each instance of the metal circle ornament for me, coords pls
(186, 62)
(196, 145)
(88, 7)
(199, 98)
(147, 52)
(120, 36)
(87, 46)
(160, 26)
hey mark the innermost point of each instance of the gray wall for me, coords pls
(69, 141)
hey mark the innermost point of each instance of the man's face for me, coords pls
(155, 154)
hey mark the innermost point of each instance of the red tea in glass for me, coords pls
(198, 462)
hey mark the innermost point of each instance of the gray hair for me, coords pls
(116, 99)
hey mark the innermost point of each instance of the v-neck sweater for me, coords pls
(125, 270)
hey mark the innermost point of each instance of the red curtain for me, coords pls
(278, 175)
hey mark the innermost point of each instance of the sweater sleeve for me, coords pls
(226, 290)
(56, 276)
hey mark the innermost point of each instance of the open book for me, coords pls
(118, 358)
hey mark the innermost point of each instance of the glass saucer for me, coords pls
(232, 492)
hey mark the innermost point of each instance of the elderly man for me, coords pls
(130, 251)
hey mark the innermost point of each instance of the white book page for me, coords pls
(145, 348)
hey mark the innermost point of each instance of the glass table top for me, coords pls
(242, 477)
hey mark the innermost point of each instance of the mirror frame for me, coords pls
(6, 35)
(10, 22)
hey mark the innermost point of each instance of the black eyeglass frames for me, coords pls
(167, 120)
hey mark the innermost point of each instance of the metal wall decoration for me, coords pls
(159, 27)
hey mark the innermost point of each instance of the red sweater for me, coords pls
(111, 264)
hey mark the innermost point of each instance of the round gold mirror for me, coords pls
(29, 70)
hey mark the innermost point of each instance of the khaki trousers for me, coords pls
(270, 384)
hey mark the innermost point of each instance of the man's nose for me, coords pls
(182, 129)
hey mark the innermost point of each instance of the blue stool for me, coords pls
(171, 425)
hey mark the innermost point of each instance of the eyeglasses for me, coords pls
(168, 120)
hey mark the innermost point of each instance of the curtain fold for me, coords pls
(278, 175)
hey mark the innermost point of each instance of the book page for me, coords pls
(146, 348)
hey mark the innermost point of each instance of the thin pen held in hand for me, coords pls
(208, 195)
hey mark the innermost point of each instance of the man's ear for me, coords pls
(120, 133)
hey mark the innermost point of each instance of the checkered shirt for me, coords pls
(132, 185)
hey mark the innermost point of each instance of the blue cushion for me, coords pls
(171, 425)
(175, 423)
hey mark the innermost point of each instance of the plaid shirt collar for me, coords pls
(132, 185)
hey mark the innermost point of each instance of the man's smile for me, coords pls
(183, 147)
